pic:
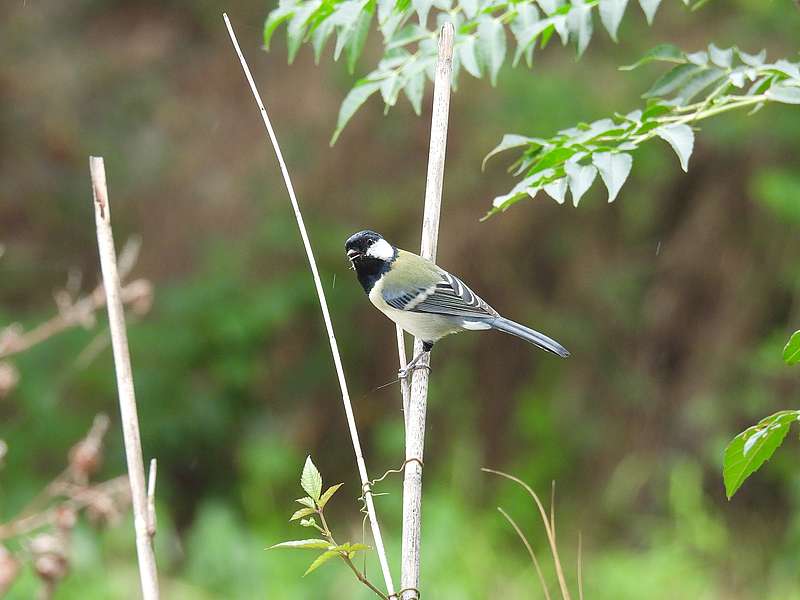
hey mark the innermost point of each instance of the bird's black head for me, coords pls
(371, 256)
(369, 245)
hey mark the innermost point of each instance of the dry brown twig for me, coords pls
(51, 515)
(80, 312)
(337, 360)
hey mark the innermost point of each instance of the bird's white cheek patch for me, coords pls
(381, 250)
(475, 325)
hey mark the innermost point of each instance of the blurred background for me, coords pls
(675, 301)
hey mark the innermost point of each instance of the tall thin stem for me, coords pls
(415, 417)
(122, 364)
(337, 360)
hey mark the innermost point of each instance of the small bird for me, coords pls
(424, 299)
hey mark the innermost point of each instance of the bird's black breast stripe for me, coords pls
(369, 271)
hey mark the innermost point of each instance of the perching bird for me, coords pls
(425, 300)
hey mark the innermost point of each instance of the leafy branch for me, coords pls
(749, 450)
(313, 509)
(482, 29)
(701, 85)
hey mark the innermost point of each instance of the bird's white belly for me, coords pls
(429, 328)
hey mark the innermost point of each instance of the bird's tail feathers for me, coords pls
(529, 335)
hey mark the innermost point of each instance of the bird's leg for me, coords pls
(426, 348)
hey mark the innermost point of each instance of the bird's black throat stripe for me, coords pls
(369, 270)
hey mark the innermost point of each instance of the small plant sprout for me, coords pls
(313, 508)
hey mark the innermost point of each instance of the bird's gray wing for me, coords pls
(447, 296)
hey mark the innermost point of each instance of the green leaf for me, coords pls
(518, 191)
(323, 500)
(649, 7)
(491, 45)
(672, 80)
(791, 352)
(311, 543)
(321, 560)
(697, 83)
(579, 23)
(359, 37)
(320, 37)
(296, 30)
(312, 522)
(300, 513)
(311, 480)
(681, 138)
(753, 447)
(611, 12)
(351, 548)
(509, 141)
(390, 88)
(468, 53)
(525, 29)
(662, 53)
(752, 60)
(309, 502)
(699, 58)
(784, 93)
(553, 158)
(560, 24)
(557, 189)
(580, 179)
(422, 7)
(284, 11)
(415, 89)
(721, 57)
(346, 18)
(737, 76)
(354, 99)
(389, 25)
(614, 170)
(655, 110)
(791, 70)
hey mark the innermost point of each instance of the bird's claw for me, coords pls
(404, 373)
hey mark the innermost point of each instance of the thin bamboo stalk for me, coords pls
(415, 417)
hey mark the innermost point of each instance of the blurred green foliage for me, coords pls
(676, 302)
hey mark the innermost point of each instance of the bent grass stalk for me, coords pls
(549, 526)
(337, 360)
